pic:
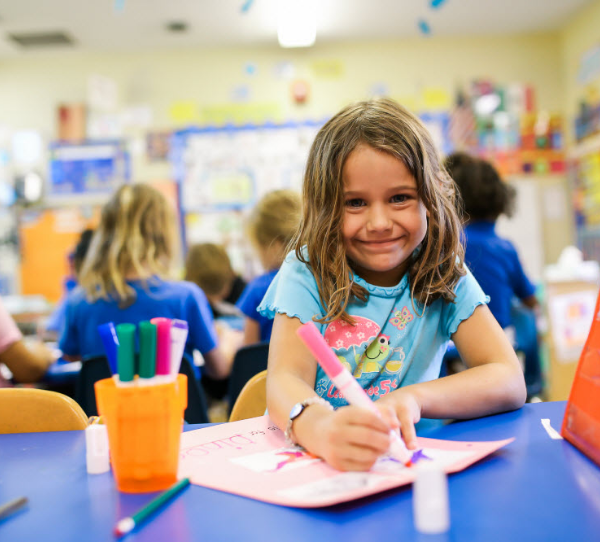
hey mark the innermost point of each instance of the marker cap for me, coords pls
(431, 508)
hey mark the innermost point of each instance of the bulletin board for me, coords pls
(222, 172)
(95, 167)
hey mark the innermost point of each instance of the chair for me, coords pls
(29, 410)
(248, 361)
(252, 400)
(97, 368)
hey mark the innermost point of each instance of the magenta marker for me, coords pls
(346, 383)
(163, 347)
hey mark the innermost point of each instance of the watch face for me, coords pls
(296, 410)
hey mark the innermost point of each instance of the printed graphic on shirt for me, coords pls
(401, 318)
(367, 354)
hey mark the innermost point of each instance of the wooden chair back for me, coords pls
(29, 410)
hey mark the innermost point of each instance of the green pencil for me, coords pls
(126, 525)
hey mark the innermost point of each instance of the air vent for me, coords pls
(41, 39)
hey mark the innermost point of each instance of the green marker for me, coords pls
(147, 350)
(128, 524)
(126, 352)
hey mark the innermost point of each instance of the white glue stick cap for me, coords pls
(431, 508)
(96, 444)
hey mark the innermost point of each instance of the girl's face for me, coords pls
(384, 219)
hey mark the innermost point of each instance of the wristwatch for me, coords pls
(298, 409)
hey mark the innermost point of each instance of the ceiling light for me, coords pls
(297, 23)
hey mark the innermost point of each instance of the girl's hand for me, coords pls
(352, 438)
(407, 411)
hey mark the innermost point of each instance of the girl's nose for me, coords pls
(378, 219)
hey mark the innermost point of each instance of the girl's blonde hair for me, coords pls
(386, 126)
(275, 218)
(135, 238)
(209, 266)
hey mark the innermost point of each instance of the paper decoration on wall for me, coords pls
(589, 66)
(157, 146)
(247, 4)
(436, 99)
(328, 68)
(424, 27)
(300, 91)
(571, 316)
(251, 458)
(379, 90)
(435, 4)
(241, 93)
(284, 70)
(102, 93)
(27, 147)
(88, 168)
(240, 113)
(250, 68)
(184, 112)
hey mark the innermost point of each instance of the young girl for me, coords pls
(378, 265)
(123, 280)
(271, 226)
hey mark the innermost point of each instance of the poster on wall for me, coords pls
(230, 168)
(89, 168)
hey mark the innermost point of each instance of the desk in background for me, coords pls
(534, 489)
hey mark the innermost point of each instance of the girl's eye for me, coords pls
(399, 198)
(355, 202)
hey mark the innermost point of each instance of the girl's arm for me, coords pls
(349, 438)
(492, 383)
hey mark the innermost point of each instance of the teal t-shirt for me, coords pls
(390, 345)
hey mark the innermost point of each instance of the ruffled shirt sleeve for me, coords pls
(469, 296)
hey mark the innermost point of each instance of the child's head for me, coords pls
(272, 224)
(484, 194)
(208, 265)
(392, 131)
(134, 240)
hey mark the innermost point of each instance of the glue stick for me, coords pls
(96, 443)
(431, 508)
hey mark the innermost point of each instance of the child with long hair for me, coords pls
(271, 226)
(124, 279)
(378, 266)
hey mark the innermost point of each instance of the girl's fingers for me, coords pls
(409, 434)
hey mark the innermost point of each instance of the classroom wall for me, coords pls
(577, 37)
(32, 86)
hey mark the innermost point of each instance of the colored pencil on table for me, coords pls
(126, 525)
(12, 506)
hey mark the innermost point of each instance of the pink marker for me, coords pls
(163, 346)
(346, 383)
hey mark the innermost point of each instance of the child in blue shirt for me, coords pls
(123, 279)
(494, 260)
(378, 266)
(271, 226)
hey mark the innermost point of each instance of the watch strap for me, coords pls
(314, 400)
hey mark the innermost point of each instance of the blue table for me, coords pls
(533, 489)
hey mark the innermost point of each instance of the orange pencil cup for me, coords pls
(144, 427)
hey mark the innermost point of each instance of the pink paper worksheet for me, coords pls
(251, 458)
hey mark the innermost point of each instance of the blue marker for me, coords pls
(108, 334)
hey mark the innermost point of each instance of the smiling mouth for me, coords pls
(381, 242)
